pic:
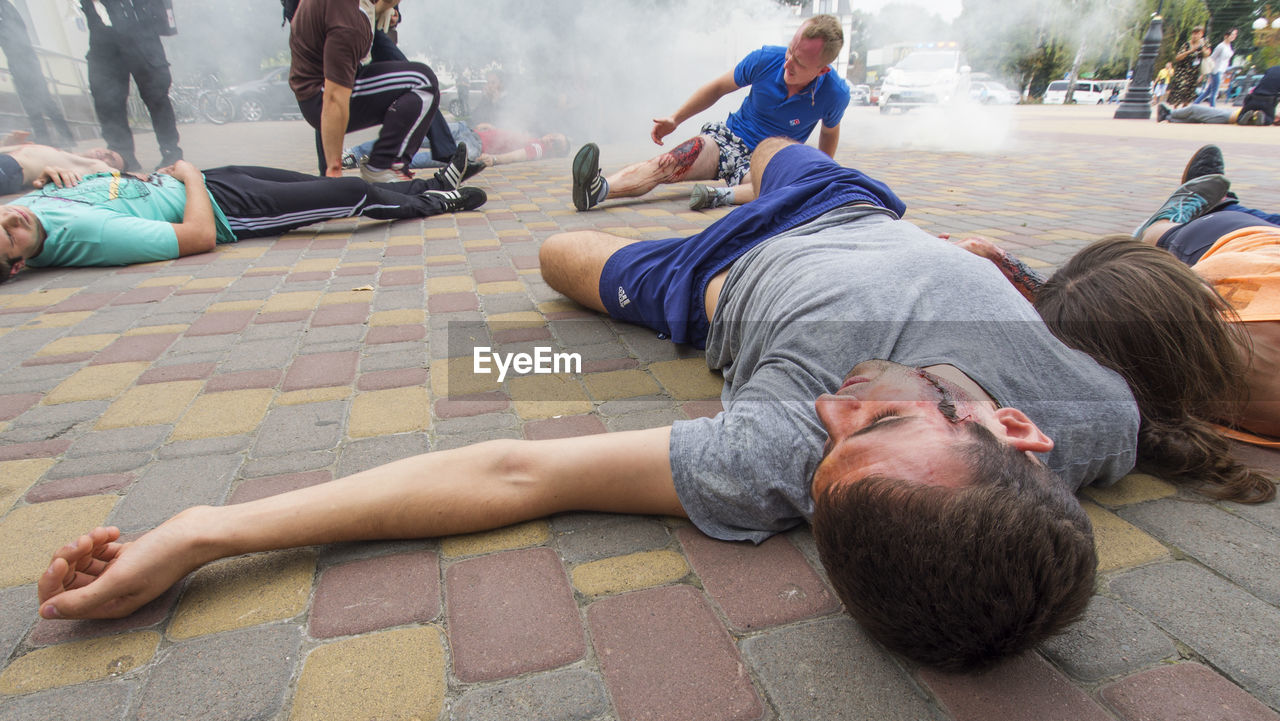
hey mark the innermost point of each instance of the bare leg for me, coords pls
(695, 159)
(761, 156)
(744, 193)
(572, 263)
(1152, 234)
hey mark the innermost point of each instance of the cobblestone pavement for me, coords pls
(273, 364)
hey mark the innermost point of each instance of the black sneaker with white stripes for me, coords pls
(450, 176)
(455, 201)
(589, 187)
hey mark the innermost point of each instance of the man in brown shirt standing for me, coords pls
(328, 40)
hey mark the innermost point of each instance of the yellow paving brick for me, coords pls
(7, 298)
(149, 405)
(541, 225)
(548, 396)
(281, 269)
(161, 281)
(346, 296)
(392, 675)
(17, 476)
(208, 283)
(477, 243)
(30, 534)
(1133, 488)
(78, 344)
(313, 395)
(620, 384)
(561, 213)
(652, 229)
(395, 410)
(403, 240)
(157, 329)
(244, 592)
(406, 316)
(297, 300)
(687, 379)
(229, 305)
(654, 212)
(524, 207)
(457, 377)
(79, 661)
(510, 232)
(438, 233)
(228, 413)
(315, 264)
(42, 298)
(629, 573)
(1120, 544)
(364, 245)
(59, 320)
(502, 286)
(445, 259)
(95, 383)
(521, 535)
(515, 320)
(235, 251)
(450, 284)
(558, 306)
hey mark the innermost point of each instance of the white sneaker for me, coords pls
(396, 173)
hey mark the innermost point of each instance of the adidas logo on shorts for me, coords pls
(623, 300)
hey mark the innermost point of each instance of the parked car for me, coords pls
(269, 98)
(989, 92)
(860, 95)
(1240, 86)
(1088, 92)
(926, 77)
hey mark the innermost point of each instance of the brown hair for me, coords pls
(828, 29)
(1141, 312)
(959, 578)
(6, 269)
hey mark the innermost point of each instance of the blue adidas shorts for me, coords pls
(660, 284)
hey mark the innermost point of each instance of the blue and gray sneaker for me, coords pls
(1191, 200)
(589, 186)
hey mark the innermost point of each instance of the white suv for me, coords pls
(926, 77)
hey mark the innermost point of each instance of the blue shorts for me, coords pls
(661, 284)
(10, 175)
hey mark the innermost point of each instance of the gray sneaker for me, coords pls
(705, 196)
(395, 174)
(1191, 200)
(1206, 161)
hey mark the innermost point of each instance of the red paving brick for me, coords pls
(1024, 689)
(342, 314)
(566, 427)
(242, 380)
(665, 657)
(83, 301)
(702, 409)
(284, 316)
(524, 262)
(143, 295)
(452, 302)
(471, 405)
(307, 276)
(255, 488)
(321, 369)
(37, 449)
(493, 275)
(232, 321)
(757, 586)
(511, 613)
(376, 593)
(12, 406)
(1183, 692)
(399, 378)
(185, 372)
(398, 251)
(394, 334)
(135, 348)
(82, 486)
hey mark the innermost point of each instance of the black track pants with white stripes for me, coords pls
(402, 97)
(269, 201)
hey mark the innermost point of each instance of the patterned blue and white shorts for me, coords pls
(735, 156)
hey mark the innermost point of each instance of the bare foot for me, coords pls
(95, 576)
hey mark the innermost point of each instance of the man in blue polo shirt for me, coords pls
(792, 88)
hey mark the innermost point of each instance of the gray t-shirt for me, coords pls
(800, 310)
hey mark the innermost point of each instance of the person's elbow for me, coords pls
(196, 238)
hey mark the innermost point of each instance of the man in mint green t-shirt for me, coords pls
(115, 219)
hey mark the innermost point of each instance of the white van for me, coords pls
(1088, 92)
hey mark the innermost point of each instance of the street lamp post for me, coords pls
(1137, 97)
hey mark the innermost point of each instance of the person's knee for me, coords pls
(763, 154)
(556, 257)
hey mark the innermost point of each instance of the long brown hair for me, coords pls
(1139, 311)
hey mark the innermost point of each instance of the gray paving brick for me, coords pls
(237, 676)
(367, 453)
(570, 695)
(305, 427)
(140, 438)
(830, 670)
(1266, 515)
(99, 464)
(644, 420)
(507, 303)
(204, 447)
(109, 320)
(188, 346)
(1108, 641)
(582, 537)
(400, 299)
(1233, 630)
(347, 336)
(575, 332)
(87, 702)
(65, 415)
(279, 332)
(169, 486)
(17, 615)
(42, 432)
(37, 379)
(256, 354)
(411, 355)
(444, 443)
(476, 424)
(289, 463)
(1234, 547)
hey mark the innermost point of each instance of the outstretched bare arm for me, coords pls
(469, 489)
(1023, 277)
